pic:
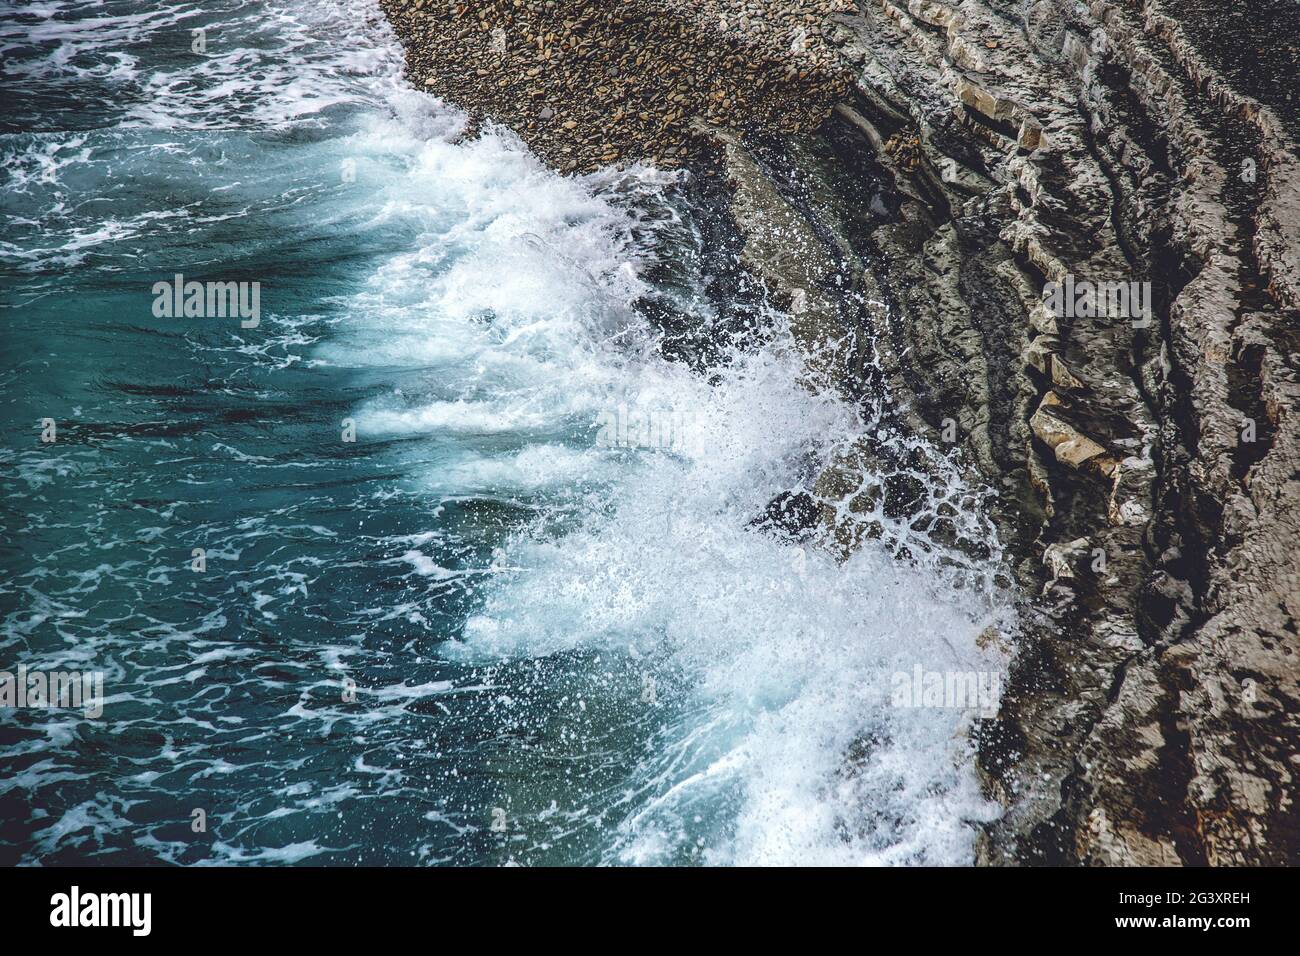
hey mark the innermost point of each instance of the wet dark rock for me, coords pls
(904, 185)
(790, 515)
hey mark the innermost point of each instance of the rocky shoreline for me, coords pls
(589, 84)
(1148, 461)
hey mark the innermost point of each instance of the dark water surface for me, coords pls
(474, 634)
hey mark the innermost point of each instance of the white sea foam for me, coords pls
(517, 297)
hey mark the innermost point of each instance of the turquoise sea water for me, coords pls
(476, 634)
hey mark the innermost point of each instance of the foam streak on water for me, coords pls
(590, 645)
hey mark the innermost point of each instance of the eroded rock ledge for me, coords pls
(1149, 466)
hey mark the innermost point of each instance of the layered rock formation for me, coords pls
(1155, 716)
(909, 181)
